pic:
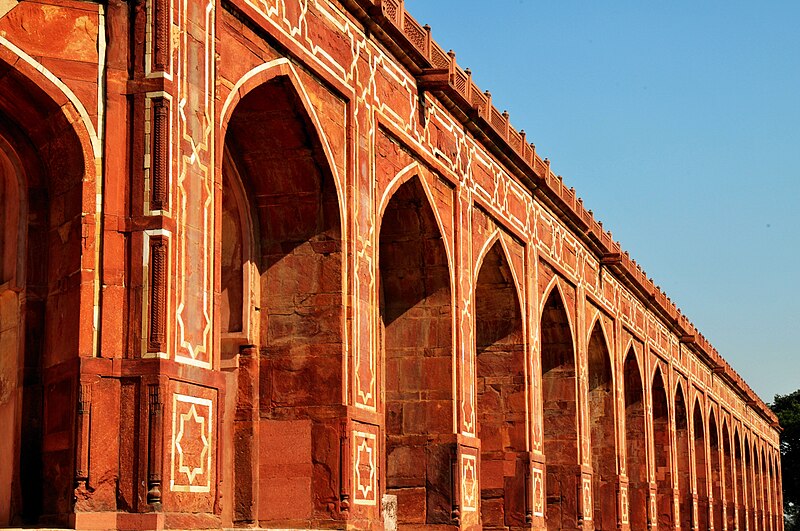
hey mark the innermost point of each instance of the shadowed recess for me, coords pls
(684, 458)
(728, 474)
(560, 415)
(416, 319)
(717, 472)
(602, 432)
(663, 453)
(701, 473)
(274, 157)
(42, 238)
(500, 387)
(635, 443)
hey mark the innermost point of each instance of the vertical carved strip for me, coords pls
(455, 485)
(345, 471)
(528, 494)
(158, 295)
(161, 44)
(82, 439)
(156, 417)
(159, 149)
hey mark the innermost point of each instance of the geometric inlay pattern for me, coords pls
(469, 482)
(623, 494)
(364, 468)
(538, 492)
(191, 444)
(587, 499)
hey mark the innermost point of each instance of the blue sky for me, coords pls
(679, 125)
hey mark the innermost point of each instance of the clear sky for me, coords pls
(679, 124)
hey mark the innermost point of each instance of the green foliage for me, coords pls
(787, 408)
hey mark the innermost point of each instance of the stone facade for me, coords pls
(280, 263)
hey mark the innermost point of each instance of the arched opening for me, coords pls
(500, 384)
(559, 396)
(602, 428)
(238, 255)
(635, 443)
(766, 491)
(683, 459)
(290, 378)
(11, 315)
(700, 467)
(728, 474)
(716, 469)
(662, 453)
(741, 488)
(777, 501)
(43, 173)
(758, 479)
(751, 485)
(416, 314)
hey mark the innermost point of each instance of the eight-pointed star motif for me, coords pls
(193, 427)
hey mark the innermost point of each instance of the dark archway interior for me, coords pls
(602, 432)
(741, 489)
(416, 314)
(41, 204)
(758, 498)
(765, 490)
(636, 443)
(560, 415)
(663, 453)
(684, 458)
(717, 472)
(275, 150)
(730, 465)
(701, 474)
(500, 384)
(750, 485)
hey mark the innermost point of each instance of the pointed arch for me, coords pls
(777, 501)
(497, 238)
(501, 391)
(701, 473)
(683, 456)
(595, 322)
(555, 286)
(766, 493)
(418, 172)
(750, 482)
(50, 179)
(635, 439)
(717, 472)
(741, 478)
(631, 347)
(729, 473)
(281, 199)
(240, 254)
(416, 319)
(560, 408)
(284, 71)
(602, 427)
(663, 454)
(758, 484)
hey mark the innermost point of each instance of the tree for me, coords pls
(787, 408)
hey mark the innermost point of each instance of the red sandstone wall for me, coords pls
(154, 416)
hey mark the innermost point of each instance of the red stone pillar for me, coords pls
(169, 380)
